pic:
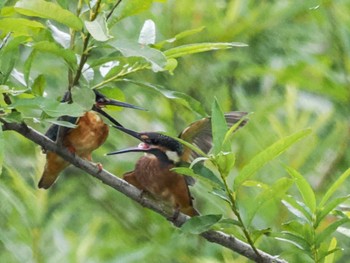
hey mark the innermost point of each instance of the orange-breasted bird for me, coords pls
(89, 134)
(153, 171)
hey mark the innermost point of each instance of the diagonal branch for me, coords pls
(120, 185)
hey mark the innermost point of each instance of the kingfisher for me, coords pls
(90, 133)
(153, 173)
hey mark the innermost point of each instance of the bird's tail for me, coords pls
(54, 165)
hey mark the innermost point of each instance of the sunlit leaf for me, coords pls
(133, 49)
(331, 190)
(20, 26)
(44, 9)
(225, 162)
(61, 123)
(198, 48)
(304, 188)
(200, 224)
(267, 155)
(148, 33)
(332, 246)
(39, 85)
(98, 29)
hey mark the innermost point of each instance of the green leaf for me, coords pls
(292, 238)
(297, 208)
(20, 26)
(39, 85)
(181, 35)
(98, 28)
(179, 97)
(219, 129)
(61, 123)
(225, 162)
(230, 221)
(85, 97)
(204, 172)
(325, 210)
(267, 155)
(148, 33)
(48, 10)
(200, 224)
(199, 47)
(132, 49)
(339, 182)
(320, 237)
(53, 48)
(276, 192)
(28, 66)
(132, 7)
(2, 147)
(332, 247)
(304, 188)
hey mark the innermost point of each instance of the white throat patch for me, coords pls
(173, 156)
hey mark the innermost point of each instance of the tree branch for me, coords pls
(120, 185)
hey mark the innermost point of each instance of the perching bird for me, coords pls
(89, 134)
(153, 171)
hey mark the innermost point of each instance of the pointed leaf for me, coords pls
(267, 155)
(199, 47)
(203, 171)
(296, 240)
(225, 162)
(179, 97)
(219, 129)
(297, 208)
(98, 28)
(61, 123)
(132, 49)
(324, 211)
(20, 26)
(44, 9)
(181, 35)
(39, 85)
(129, 8)
(148, 33)
(276, 192)
(332, 246)
(200, 224)
(339, 182)
(304, 188)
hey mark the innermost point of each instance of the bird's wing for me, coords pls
(199, 133)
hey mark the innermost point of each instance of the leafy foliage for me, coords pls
(283, 177)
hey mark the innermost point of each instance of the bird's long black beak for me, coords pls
(128, 150)
(132, 133)
(113, 102)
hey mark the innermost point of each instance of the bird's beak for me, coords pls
(113, 102)
(142, 147)
(130, 132)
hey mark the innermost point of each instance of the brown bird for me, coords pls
(153, 171)
(89, 134)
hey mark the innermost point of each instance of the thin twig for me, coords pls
(120, 185)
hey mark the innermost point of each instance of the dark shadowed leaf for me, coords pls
(200, 224)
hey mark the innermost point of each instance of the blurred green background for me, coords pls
(293, 75)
